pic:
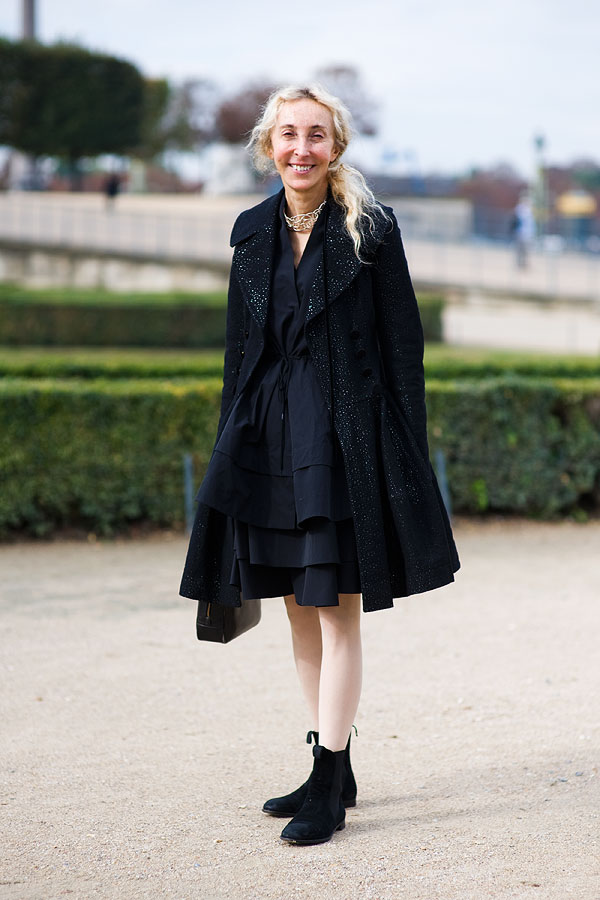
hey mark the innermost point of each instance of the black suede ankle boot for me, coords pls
(290, 804)
(322, 812)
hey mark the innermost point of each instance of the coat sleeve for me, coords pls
(400, 332)
(234, 343)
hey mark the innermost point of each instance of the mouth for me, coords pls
(297, 168)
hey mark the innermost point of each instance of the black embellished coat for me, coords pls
(367, 347)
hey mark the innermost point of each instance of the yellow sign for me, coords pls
(574, 204)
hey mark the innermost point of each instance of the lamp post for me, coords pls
(28, 162)
(29, 20)
(540, 187)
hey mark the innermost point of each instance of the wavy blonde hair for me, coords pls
(348, 186)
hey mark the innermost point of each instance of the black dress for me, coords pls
(277, 468)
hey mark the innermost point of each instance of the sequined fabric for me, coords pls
(276, 468)
(404, 540)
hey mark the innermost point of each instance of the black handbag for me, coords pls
(215, 622)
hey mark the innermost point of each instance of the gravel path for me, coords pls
(135, 760)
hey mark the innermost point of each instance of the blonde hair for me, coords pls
(348, 186)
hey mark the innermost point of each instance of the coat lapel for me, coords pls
(255, 232)
(339, 259)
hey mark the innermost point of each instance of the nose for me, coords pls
(301, 148)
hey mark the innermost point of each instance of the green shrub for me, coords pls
(105, 319)
(101, 454)
(70, 296)
(431, 307)
(102, 362)
(445, 361)
(102, 325)
(519, 445)
(441, 362)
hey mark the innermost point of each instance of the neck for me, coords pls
(299, 202)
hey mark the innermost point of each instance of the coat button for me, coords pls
(242, 352)
(354, 334)
(367, 372)
(246, 333)
(360, 353)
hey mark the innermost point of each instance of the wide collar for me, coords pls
(254, 236)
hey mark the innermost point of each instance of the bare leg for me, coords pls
(341, 670)
(306, 643)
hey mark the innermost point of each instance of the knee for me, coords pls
(303, 619)
(340, 624)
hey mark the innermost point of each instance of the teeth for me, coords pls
(301, 168)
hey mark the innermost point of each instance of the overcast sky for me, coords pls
(459, 84)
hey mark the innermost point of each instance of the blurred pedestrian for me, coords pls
(523, 230)
(319, 487)
(112, 186)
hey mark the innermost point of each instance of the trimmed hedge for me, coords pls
(94, 319)
(445, 361)
(431, 308)
(100, 325)
(100, 362)
(103, 454)
(70, 296)
(520, 445)
(100, 454)
(441, 361)
(68, 317)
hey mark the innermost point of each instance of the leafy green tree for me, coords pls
(67, 102)
(10, 87)
(153, 134)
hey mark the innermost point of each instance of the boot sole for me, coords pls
(280, 814)
(308, 841)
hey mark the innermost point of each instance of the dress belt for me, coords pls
(283, 381)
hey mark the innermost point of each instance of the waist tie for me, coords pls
(283, 380)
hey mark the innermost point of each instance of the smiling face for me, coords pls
(302, 146)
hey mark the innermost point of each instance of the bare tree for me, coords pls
(345, 82)
(190, 118)
(237, 115)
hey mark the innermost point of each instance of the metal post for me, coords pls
(442, 477)
(29, 20)
(188, 490)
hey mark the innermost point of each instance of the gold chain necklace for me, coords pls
(304, 221)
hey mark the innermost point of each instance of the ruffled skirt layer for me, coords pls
(293, 525)
(293, 532)
(275, 501)
(314, 563)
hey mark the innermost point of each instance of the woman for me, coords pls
(319, 488)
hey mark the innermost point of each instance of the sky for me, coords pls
(457, 84)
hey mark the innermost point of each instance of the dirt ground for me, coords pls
(135, 759)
